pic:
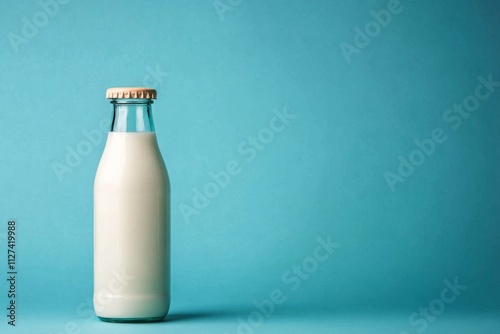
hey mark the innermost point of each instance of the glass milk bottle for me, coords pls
(131, 215)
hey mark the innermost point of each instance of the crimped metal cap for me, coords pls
(131, 93)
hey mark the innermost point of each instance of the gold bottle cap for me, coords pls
(130, 93)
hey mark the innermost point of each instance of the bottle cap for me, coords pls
(130, 93)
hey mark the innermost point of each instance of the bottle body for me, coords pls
(131, 230)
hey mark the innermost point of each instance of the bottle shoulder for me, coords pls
(132, 158)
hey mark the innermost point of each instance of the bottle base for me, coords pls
(132, 320)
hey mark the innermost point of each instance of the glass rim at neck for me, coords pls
(132, 101)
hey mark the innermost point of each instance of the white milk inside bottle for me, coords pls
(131, 216)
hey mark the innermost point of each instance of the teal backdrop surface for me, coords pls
(362, 140)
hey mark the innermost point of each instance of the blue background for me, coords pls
(221, 77)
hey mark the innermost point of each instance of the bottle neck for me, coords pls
(132, 115)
